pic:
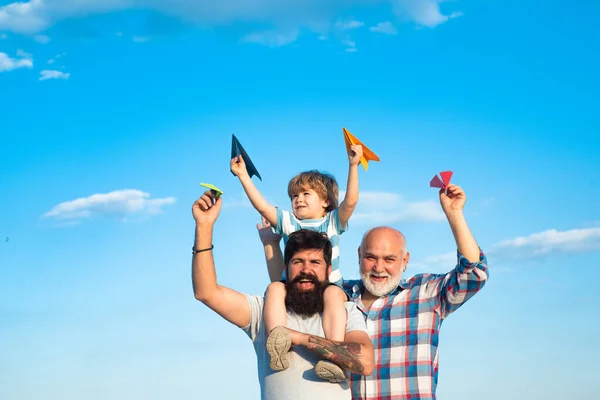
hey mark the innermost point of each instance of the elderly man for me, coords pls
(404, 316)
(301, 344)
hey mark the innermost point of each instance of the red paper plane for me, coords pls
(443, 183)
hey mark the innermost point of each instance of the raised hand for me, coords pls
(355, 154)
(266, 234)
(452, 199)
(206, 209)
(238, 166)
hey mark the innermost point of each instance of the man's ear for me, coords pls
(406, 258)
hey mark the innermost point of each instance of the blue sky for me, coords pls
(113, 113)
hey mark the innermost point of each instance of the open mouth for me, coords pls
(305, 284)
(379, 279)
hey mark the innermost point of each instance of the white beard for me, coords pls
(383, 288)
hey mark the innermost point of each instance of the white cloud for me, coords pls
(348, 24)
(423, 12)
(23, 54)
(52, 74)
(387, 28)
(56, 57)
(523, 249)
(550, 241)
(272, 38)
(43, 39)
(116, 204)
(351, 46)
(381, 208)
(456, 14)
(34, 16)
(8, 64)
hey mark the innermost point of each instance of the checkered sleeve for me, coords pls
(450, 291)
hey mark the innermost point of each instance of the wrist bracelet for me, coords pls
(194, 251)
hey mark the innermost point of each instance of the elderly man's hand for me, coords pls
(206, 209)
(452, 199)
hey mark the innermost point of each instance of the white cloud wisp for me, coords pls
(52, 74)
(8, 64)
(524, 248)
(117, 204)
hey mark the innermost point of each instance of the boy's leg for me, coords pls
(334, 313)
(334, 326)
(275, 315)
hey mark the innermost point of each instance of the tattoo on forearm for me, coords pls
(346, 355)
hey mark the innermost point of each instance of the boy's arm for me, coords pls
(273, 255)
(229, 304)
(347, 206)
(238, 167)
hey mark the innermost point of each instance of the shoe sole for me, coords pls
(278, 345)
(330, 371)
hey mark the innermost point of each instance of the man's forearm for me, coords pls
(350, 356)
(204, 277)
(465, 242)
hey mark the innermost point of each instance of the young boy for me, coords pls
(314, 197)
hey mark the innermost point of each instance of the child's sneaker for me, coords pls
(278, 345)
(330, 371)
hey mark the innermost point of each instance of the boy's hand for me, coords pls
(267, 236)
(238, 166)
(452, 199)
(355, 154)
(206, 209)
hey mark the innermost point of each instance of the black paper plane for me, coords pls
(236, 150)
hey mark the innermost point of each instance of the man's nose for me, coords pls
(379, 266)
(306, 268)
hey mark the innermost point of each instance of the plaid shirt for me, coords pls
(404, 327)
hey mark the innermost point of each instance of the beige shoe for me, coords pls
(330, 371)
(278, 345)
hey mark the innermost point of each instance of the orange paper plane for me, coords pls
(368, 155)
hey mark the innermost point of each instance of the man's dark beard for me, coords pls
(305, 302)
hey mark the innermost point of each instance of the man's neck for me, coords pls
(367, 299)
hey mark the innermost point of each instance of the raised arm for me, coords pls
(229, 304)
(273, 255)
(469, 276)
(347, 206)
(238, 167)
(453, 201)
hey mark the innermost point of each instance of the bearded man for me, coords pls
(300, 344)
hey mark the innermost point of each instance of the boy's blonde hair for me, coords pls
(322, 183)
